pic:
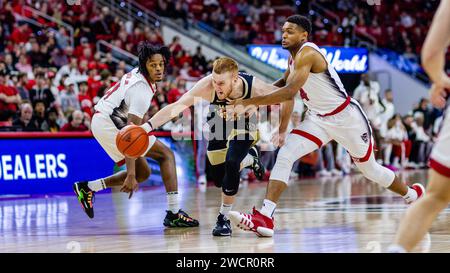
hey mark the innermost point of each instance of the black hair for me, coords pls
(301, 21)
(146, 50)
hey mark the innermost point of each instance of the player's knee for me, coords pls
(285, 159)
(283, 166)
(142, 175)
(167, 155)
(373, 171)
(232, 164)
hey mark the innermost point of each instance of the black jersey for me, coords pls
(222, 123)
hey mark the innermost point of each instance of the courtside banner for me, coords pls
(49, 163)
(39, 164)
(343, 59)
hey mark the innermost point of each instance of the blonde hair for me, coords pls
(225, 64)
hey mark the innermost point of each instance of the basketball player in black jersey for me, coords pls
(231, 139)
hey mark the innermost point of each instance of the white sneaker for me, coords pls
(336, 172)
(324, 173)
(420, 192)
(202, 183)
(202, 179)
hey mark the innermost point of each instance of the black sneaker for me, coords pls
(180, 219)
(223, 227)
(86, 197)
(258, 168)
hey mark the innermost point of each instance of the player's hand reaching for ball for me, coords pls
(130, 185)
(440, 91)
(242, 106)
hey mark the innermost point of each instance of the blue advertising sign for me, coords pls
(52, 165)
(41, 166)
(343, 59)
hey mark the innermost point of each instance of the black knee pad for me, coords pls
(230, 191)
(231, 180)
(217, 172)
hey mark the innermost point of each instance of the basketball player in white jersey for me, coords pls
(124, 103)
(420, 215)
(332, 114)
(230, 141)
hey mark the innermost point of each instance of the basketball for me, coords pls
(132, 141)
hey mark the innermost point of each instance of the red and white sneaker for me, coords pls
(256, 222)
(420, 191)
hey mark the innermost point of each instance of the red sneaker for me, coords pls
(420, 191)
(256, 222)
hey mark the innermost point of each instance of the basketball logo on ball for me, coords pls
(132, 141)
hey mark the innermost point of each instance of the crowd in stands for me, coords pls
(49, 84)
(397, 25)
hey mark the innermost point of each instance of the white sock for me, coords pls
(202, 179)
(247, 161)
(97, 185)
(225, 209)
(410, 196)
(268, 208)
(172, 201)
(396, 249)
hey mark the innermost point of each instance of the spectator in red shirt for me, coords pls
(183, 58)
(94, 81)
(175, 46)
(174, 94)
(21, 34)
(75, 123)
(9, 99)
(84, 99)
(84, 43)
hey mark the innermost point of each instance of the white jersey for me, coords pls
(131, 95)
(322, 92)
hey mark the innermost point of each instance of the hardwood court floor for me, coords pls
(346, 214)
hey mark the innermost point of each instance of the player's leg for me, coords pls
(105, 133)
(420, 215)
(238, 149)
(352, 130)
(386, 178)
(115, 180)
(307, 138)
(175, 216)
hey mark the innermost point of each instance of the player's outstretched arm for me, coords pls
(436, 43)
(130, 185)
(201, 90)
(297, 78)
(287, 106)
(433, 55)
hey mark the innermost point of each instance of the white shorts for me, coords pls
(105, 133)
(440, 156)
(350, 128)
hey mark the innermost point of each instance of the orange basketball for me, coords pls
(132, 141)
